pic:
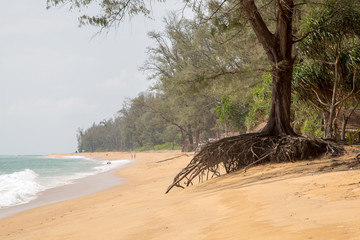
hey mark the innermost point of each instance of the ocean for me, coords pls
(23, 178)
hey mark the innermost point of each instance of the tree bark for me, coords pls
(279, 118)
(182, 140)
(190, 135)
(278, 47)
(197, 135)
(330, 129)
(343, 127)
(346, 119)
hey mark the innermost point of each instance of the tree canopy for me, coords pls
(328, 74)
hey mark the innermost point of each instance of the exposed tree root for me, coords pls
(241, 152)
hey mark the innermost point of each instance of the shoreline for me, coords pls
(318, 199)
(78, 188)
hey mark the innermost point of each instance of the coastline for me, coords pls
(78, 188)
(317, 199)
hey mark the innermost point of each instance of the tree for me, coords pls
(328, 75)
(191, 71)
(259, 110)
(277, 45)
(223, 112)
(277, 141)
(79, 137)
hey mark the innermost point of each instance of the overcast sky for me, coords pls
(56, 78)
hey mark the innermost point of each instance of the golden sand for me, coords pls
(304, 200)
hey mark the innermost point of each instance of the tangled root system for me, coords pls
(243, 151)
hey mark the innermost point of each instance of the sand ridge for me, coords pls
(317, 199)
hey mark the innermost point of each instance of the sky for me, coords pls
(56, 77)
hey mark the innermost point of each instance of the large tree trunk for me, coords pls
(279, 118)
(278, 47)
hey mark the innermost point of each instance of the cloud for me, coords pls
(44, 107)
(46, 60)
(34, 27)
(124, 82)
(114, 83)
(76, 105)
(16, 110)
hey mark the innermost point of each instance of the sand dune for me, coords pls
(305, 200)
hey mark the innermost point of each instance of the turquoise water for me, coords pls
(22, 178)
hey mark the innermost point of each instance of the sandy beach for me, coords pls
(317, 199)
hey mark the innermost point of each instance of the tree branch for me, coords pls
(314, 30)
(265, 37)
(319, 99)
(351, 93)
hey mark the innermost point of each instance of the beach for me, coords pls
(317, 199)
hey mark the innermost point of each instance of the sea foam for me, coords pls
(24, 186)
(104, 167)
(108, 165)
(18, 187)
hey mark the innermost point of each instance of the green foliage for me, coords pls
(111, 12)
(308, 111)
(223, 108)
(310, 77)
(166, 146)
(333, 31)
(351, 137)
(311, 126)
(237, 116)
(259, 106)
(144, 148)
(329, 57)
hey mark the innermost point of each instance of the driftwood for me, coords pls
(244, 151)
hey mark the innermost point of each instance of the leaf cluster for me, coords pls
(112, 12)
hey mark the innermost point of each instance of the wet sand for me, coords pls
(80, 187)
